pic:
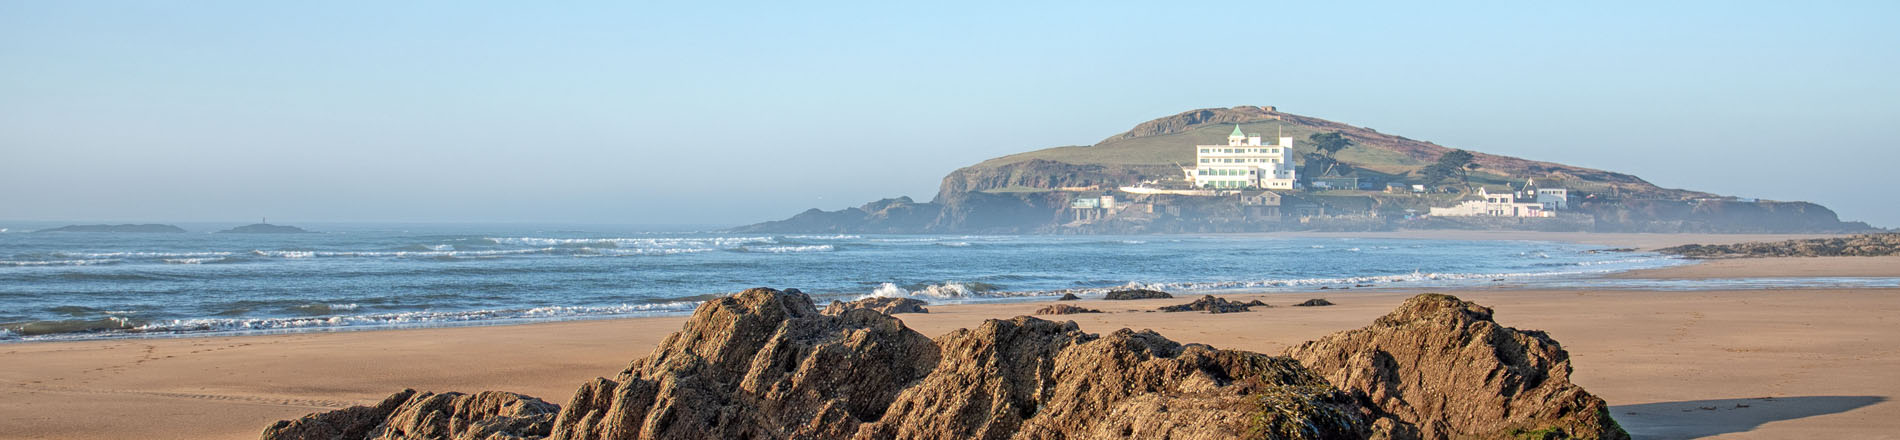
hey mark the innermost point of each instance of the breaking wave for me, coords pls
(790, 249)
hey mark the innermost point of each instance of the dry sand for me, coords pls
(1672, 364)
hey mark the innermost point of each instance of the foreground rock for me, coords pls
(1442, 367)
(1064, 309)
(1212, 304)
(116, 228)
(264, 228)
(488, 415)
(765, 364)
(888, 306)
(1136, 294)
(1869, 245)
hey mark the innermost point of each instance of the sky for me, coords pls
(732, 113)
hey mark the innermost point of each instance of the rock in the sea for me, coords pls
(1441, 366)
(1064, 309)
(1210, 304)
(1068, 297)
(1137, 294)
(766, 364)
(264, 228)
(407, 415)
(885, 305)
(1315, 302)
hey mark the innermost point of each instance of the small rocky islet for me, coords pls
(767, 364)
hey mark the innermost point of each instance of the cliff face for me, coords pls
(767, 364)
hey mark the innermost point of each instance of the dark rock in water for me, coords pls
(1064, 309)
(1868, 245)
(1315, 302)
(1210, 304)
(1441, 368)
(411, 415)
(1068, 297)
(1325, 287)
(264, 228)
(115, 228)
(765, 364)
(888, 306)
(1136, 294)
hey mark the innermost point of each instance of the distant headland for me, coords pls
(1256, 169)
(116, 228)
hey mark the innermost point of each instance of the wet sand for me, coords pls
(1809, 363)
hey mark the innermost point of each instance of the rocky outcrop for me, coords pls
(1868, 245)
(409, 415)
(1315, 302)
(1064, 309)
(765, 364)
(1441, 366)
(885, 305)
(1068, 297)
(264, 228)
(1212, 304)
(1126, 294)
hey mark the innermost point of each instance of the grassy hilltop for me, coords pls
(1157, 149)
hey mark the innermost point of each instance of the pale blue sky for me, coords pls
(734, 112)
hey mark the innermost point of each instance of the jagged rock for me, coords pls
(885, 305)
(1315, 302)
(1064, 309)
(1068, 297)
(1443, 367)
(1136, 294)
(1210, 304)
(408, 415)
(764, 364)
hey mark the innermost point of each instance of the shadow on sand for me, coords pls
(1703, 418)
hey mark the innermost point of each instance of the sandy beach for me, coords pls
(1813, 363)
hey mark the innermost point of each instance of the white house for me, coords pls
(1495, 205)
(1243, 163)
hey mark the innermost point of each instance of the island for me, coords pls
(116, 228)
(265, 228)
(1257, 169)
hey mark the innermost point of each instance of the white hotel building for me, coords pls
(1243, 163)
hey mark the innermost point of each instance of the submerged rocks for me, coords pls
(1064, 309)
(488, 415)
(1068, 297)
(1441, 366)
(885, 305)
(1136, 294)
(1212, 304)
(1315, 302)
(766, 364)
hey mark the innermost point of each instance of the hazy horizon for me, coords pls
(446, 112)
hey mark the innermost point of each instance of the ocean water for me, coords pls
(96, 285)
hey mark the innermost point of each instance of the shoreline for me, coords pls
(1639, 242)
(1646, 352)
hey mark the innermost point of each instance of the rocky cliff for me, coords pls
(767, 364)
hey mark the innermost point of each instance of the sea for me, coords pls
(63, 286)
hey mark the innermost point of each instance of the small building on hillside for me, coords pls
(1244, 163)
(1503, 204)
(1260, 203)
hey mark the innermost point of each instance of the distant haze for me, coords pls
(728, 114)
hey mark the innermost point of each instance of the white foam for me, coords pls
(716, 242)
(403, 319)
(790, 249)
(191, 260)
(400, 254)
(955, 244)
(143, 254)
(937, 291)
(81, 262)
(823, 237)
